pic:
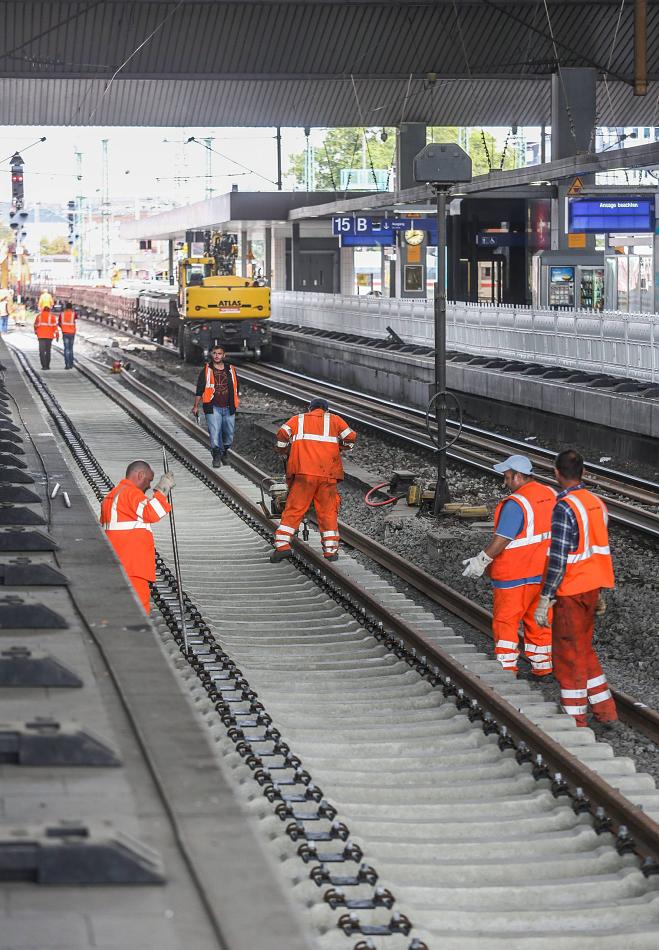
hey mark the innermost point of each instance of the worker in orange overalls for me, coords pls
(127, 514)
(579, 568)
(313, 442)
(517, 558)
(67, 323)
(46, 329)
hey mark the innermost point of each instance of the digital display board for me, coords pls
(606, 214)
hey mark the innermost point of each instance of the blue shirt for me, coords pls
(564, 541)
(511, 522)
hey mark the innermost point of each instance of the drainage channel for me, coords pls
(461, 834)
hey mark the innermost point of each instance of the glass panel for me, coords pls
(634, 284)
(611, 283)
(623, 284)
(645, 280)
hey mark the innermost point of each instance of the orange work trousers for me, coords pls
(143, 591)
(326, 499)
(512, 606)
(578, 670)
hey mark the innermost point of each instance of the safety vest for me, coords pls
(67, 321)
(45, 300)
(315, 439)
(526, 555)
(45, 325)
(590, 566)
(127, 515)
(209, 389)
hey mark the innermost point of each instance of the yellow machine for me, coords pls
(232, 311)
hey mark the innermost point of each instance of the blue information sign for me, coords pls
(626, 213)
(361, 224)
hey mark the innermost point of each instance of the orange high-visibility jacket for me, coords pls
(67, 321)
(45, 300)
(45, 325)
(526, 555)
(127, 515)
(209, 389)
(315, 439)
(590, 566)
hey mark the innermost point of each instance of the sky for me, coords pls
(143, 162)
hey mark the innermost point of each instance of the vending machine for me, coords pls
(568, 279)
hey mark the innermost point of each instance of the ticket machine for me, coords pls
(573, 279)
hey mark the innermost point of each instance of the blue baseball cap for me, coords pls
(514, 463)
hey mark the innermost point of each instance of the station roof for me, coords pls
(315, 62)
(233, 212)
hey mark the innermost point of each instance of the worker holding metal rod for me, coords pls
(127, 514)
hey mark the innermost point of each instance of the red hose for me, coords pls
(380, 504)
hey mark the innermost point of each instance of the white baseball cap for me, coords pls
(515, 463)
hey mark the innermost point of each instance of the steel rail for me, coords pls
(486, 703)
(646, 522)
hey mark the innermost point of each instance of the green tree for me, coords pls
(480, 144)
(56, 245)
(6, 234)
(352, 148)
(345, 148)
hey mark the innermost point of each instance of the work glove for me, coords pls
(476, 565)
(542, 611)
(600, 606)
(165, 483)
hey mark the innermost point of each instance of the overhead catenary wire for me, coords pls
(228, 158)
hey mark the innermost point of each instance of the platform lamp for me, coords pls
(441, 165)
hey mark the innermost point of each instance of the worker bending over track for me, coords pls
(517, 558)
(313, 442)
(127, 514)
(579, 567)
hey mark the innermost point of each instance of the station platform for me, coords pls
(118, 826)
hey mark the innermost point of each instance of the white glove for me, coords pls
(542, 611)
(476, 565)
(165, 483)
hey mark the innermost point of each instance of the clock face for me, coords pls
(414, 237)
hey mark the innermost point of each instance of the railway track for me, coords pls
(424, 760)
(633, 502)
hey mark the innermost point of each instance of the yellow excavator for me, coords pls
(221, 309)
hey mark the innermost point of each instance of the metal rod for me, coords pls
(278, 137)
(442, 494)
(177, 564)
(640, 47)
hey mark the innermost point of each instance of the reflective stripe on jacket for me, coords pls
(209, 388)
(67, 321)
(590, 566)
(315, 439)
(45, 325)
(127, 515)
(526, 555)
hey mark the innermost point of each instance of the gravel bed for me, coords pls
(627, 638)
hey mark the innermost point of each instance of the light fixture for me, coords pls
(384, 135)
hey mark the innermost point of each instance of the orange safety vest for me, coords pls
(127, 515)
(590, 566)
(67, 321)
(45, 325)
(209, 390)
(526, 555)
(315, 439)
